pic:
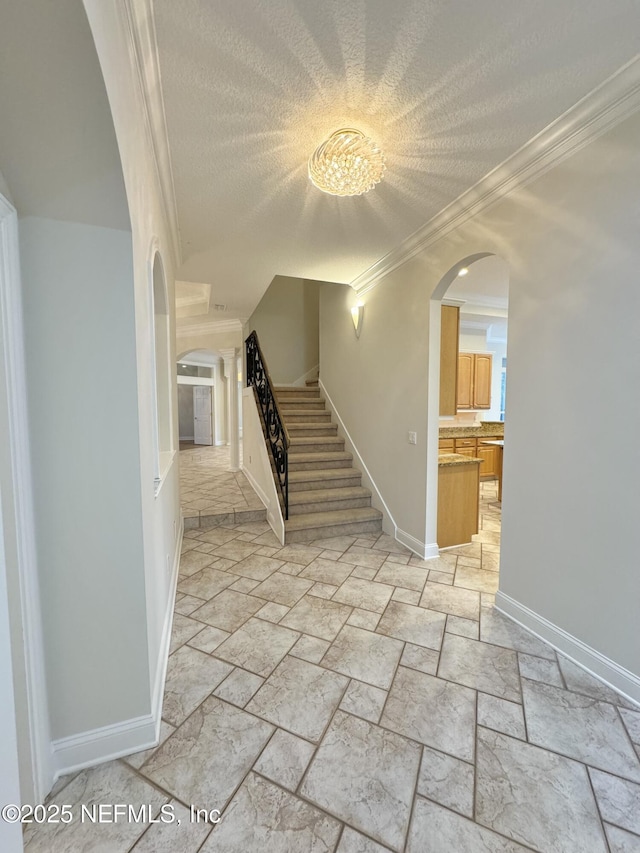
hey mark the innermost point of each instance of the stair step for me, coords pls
(312, 428)
(323, 478)
(296, 389)
(328, 500)
(315, 443)
(293, 403)
(320, 525)
(322, 459)
(301, 416)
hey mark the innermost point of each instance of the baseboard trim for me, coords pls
(424, 551)
(107, 743)
(596, 664)
(415, 545)
(165, 640)
(361, 463)
(310, 374)
(256, 487)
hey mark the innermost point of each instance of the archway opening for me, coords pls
(474, 292)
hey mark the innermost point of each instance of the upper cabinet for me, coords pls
(449, 333)
(474, 380)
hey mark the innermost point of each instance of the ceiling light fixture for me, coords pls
(463, 271)
(347, 163)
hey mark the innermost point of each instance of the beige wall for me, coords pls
(286, 321)
(570, 477)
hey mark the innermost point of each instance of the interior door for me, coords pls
(202, 422)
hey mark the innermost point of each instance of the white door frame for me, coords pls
(23, 597)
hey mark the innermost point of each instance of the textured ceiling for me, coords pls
(448, 88)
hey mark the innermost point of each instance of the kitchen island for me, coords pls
(458, 498)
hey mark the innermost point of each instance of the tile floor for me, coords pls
(211, 494)
(346, 696)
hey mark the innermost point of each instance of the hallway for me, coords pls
(346, 695)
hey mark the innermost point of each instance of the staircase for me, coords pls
(326, 497)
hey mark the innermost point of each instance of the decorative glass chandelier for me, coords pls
(347, 163)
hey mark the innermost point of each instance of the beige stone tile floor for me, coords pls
(394, 709)
(210, 493)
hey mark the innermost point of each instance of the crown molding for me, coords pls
(603, 108)
(144, 48)
(214, 327)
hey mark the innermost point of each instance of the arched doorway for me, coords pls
(477, 288)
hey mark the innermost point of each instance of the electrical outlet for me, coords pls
(413, 438)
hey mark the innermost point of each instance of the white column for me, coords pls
(231, 375)
(220, 404)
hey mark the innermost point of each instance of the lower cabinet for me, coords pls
(458, 503)
(489, 456)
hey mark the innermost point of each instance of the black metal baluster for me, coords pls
(275, 431)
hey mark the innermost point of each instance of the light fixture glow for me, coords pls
(357, 313)
(347, 163)
(463, 271)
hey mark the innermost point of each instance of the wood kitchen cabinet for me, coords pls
(474, 380)
(449, 334)
(488, 454)
(458, 503)
(465, 446)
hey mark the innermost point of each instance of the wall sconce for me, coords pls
(356, 315)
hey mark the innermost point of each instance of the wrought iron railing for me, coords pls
(274, 429)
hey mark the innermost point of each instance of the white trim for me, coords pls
(207, 328)
(141, 30)
(424, 551)
(107, 743)
(11, 317)
(310, 374)
(165, 639)
(187, 437)
(267, 493)
(166, 459)
(595, 663)
(257, 488)
(603, 108)
(104, 744)
(361, 463)
(415, 545)
(195, 380)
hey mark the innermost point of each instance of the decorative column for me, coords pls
(231, 375)
(220, 408)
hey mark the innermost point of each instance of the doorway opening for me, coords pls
(470, 426)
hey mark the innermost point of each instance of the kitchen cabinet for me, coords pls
(449, 334)
(446, 445)
(474, 380)
(458, 501)
(488, 454)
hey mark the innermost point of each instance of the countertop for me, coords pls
(490, 428)
(449, 459)
(499, 443)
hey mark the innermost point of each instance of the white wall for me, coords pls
(82, 396)
(151, 209)
(571, 476)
